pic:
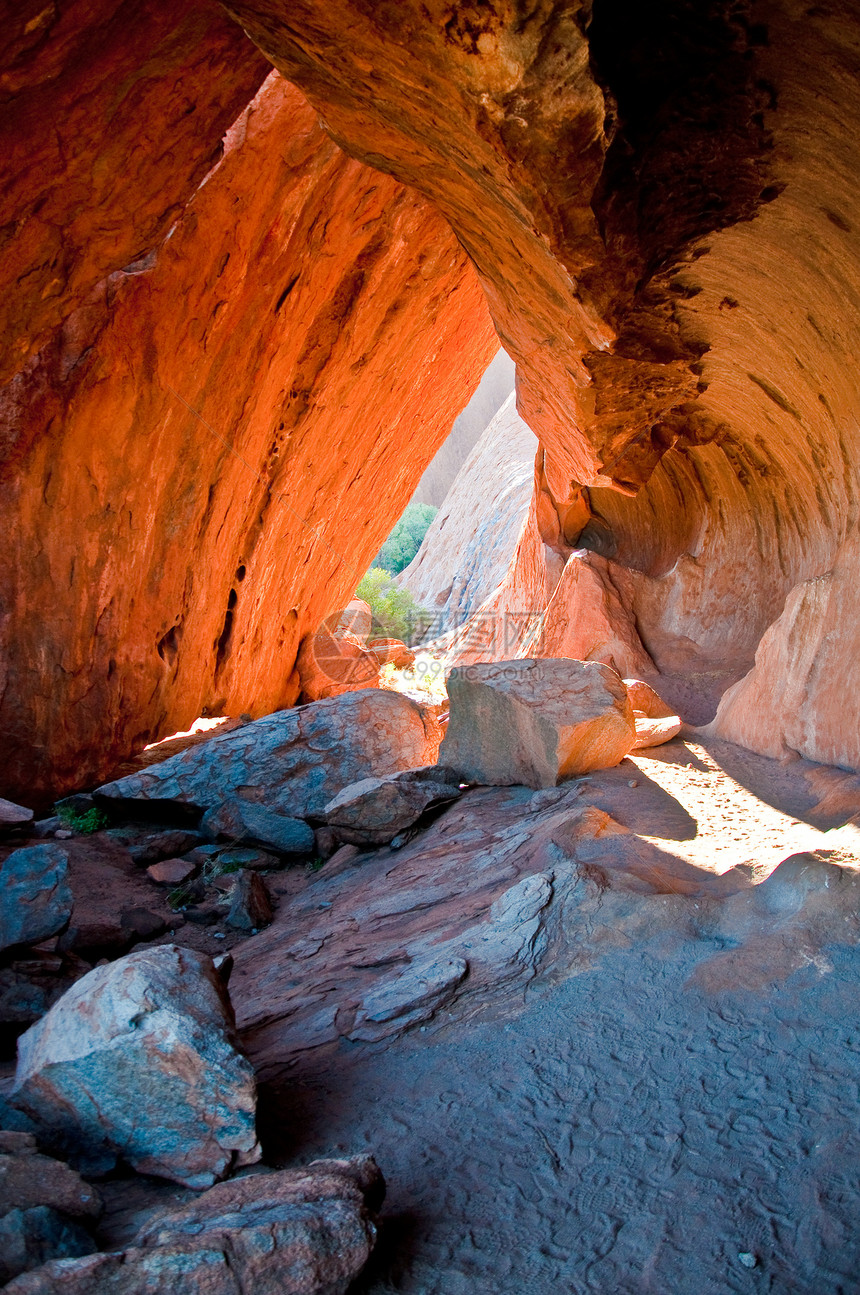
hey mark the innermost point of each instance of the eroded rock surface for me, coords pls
(137, 1061)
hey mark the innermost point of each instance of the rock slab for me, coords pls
(37, 899)
(533, 722)
(292, 762)
(137, 1061)
(297, 1232)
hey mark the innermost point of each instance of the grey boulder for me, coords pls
(13, 816)
(373, 811)
(293, 761)
(137, 1060)
(36, 898)
(297, 1232)
(240, 821)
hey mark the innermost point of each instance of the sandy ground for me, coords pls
(621, 1130)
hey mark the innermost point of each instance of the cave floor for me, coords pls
(654, 1097)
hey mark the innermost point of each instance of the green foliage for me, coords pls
(396, 614)
(405, 540)
(84, 822)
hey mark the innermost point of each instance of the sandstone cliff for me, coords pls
(660, 206)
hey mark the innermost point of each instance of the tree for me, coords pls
(405, 540)
(396, 614)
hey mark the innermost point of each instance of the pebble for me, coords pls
(633, 783)
(747, 1259)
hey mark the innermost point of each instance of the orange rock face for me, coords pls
(112, 115)
(213, 446)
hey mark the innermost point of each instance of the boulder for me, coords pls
(44, 1208)
(171, 872)
(37, 900)
(138, 1061)
(330, 664)
(32, 983)
(13, 816)
(292, 762)
(356, 618)
(392, 652)
(239, 820)
(247, 857)
(296, 1232)
(536, 721)
(373, 811)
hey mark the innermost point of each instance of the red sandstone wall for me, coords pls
(215, 443)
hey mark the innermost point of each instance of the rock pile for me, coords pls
(298, 1232)
(46, 1209)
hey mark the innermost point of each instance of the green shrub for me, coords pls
(405, 540)
(85, 822)
(396, 614)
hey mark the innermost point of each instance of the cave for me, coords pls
(256, 258)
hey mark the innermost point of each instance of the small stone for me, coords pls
(163, 845)
(747, 1259)
(633, 783)
(45, 826)
(63, 834)
(141, 924)
(251, 905)
(201, 916)
(249, 857)
(171, 872)
(12, 815)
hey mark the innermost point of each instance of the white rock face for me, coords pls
(801, 695)
(533, 722)
(137, 1061)
(492, 392)
(471, 541)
